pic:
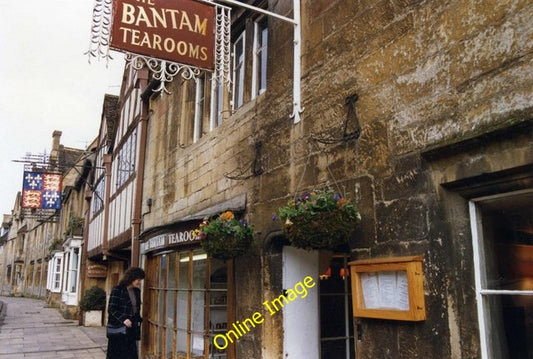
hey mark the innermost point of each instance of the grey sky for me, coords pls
(46, 82)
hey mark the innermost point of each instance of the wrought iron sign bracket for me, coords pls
(163, 70)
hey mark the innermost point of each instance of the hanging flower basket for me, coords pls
(225, 237)
(321, 219)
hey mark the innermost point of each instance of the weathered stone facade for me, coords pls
(445, 93)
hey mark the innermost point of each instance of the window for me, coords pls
(188, 297)
(217, 102)
(57, 274)
(260, 57)
(336, 328)
(98, 198)
(126, 159)
(74, 260)
(238, 72)
(502, 239)
(199, 107)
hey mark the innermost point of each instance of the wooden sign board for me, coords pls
(96, 270)
(388, 288)
(179, 31)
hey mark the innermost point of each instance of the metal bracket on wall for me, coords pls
(350, 121)
(254, 169)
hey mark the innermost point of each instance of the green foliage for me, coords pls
(225, 237)
(55, 245)
(93, 299)
(75, 225)
(320, 219)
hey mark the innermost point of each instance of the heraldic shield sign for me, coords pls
(167, 36)
(41, 190)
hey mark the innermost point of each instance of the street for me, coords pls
(30, 329)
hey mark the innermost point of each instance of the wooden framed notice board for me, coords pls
(388, 288)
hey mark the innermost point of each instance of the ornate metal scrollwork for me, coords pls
(163, 70)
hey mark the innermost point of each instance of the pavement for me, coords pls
(31, 329)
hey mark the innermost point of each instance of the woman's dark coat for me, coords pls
(119, 309)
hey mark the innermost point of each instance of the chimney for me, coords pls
(54, 154)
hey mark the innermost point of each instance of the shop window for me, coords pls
(260, 57)
(336, 314)
(502, 233)
(187, 305)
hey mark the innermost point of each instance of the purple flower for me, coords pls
(275, 217)
(244, 222)
(337, 196)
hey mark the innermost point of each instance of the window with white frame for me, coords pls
(238, 71)
(74, 263)
(199, 103)
(56, 279)
(260, 57)
(217, 102)
(502, 239)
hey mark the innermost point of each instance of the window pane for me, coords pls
(506, 263)
(172, 270)
(332, 316)
(182, 310)
(508, 245)
(183, 282)
(333, 349)
(199, 269)
(510, 325)
(197, 315)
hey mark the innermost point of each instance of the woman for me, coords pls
(123, 310)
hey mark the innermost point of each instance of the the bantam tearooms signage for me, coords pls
(179, 31)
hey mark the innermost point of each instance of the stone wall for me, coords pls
(427, 74)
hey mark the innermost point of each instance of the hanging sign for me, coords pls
(41, 190)
(178, 31)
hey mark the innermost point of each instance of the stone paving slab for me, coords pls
(30, 329)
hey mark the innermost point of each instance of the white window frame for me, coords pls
(74, 269)
(56, 273)
(238, 72)
(259, 51)
(217, 102)
(199, 107)
(479, 268)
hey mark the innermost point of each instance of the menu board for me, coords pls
(385, 290)
(388, 288)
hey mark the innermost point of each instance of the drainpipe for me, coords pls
(84, 251)
(142, 77)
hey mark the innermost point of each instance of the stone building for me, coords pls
(35, 237)
(418, 111)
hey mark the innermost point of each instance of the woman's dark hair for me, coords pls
(130, 275)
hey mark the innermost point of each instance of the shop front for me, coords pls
(187, 296)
